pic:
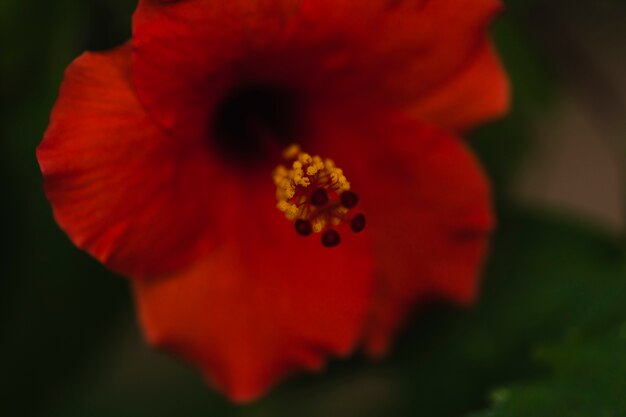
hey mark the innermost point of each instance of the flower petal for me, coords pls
(266, 303)
(428, 209)
(120, 188)
(478, 92)
(188, 54)
(437, 249)
(430, 57)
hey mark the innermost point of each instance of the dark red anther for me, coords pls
(331, 238)
(303, 227)
(349, 199)
(319, 197)
(358, 223)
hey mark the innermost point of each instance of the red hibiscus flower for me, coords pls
(159, 158)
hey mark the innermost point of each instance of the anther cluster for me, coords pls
(315, 194)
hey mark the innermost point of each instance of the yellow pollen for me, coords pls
(309, 189)
(291, 152)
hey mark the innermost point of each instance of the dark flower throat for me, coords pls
(253, 122)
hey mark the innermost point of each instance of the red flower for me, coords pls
(159, 157)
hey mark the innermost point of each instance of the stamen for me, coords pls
(303, 227)
(331, 238)
(358, 223)
(349, 199)
(315, 194)
(319, 197)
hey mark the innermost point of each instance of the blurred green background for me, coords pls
(548, 337)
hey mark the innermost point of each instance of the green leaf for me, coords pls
(587, 378)
(575, 329)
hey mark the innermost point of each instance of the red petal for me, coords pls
(266, 303)
(432, 58)
(437, 248)
(479, 92)
(428, 209)
(188, 54)
(426, 56)
(119, 187)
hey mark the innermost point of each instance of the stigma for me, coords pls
(315, 195)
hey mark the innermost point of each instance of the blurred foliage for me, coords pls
(57, 306)
(577, 309)
(547, 337)
(587, 380)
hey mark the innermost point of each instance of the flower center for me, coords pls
(316, 196)
(253, 121)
